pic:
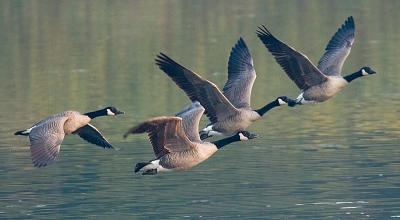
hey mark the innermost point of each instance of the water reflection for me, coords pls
(334, 160)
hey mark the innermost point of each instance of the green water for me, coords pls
(335, 160)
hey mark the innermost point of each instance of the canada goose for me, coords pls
(173, 148)
(47, 135)
(317, 83)
(229, 111)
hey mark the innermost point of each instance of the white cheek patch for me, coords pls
(242, 137)
(208, 128)
(281, 102)
(109, 112)
(363, 72)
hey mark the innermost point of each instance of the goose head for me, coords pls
(282, 100)
(110, 111)
(245, 135)
(367, 71)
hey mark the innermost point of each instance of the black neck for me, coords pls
(221, 143)
(353, 76)
(96, 113)
(267, 107)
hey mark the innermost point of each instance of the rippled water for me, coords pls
(336, 160)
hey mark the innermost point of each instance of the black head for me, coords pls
(282, 100)
(113, 111)
(367, 71)
(245, 135)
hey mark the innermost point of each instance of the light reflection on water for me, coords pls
(336, 160)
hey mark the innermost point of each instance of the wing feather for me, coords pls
(296, 65)
(166, 135)
(90, 134)
(241, 76)
(45, 140)
(217, 106)
(338, 49)
(191, 116)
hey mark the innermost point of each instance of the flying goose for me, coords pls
(229, 111)
(320, 83)
(172, 144)
(47, 135)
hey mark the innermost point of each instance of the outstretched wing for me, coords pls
(338, 49)
(241, 76)
(191, 116)
(90, 134)
(166, 135)
(217, 106)
(296, 65)
(45, 140)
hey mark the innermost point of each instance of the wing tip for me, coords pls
(161, 59)
(348, 24)
(350, 20)
(168, 65)
(240, 45)
(263, 31)
(241, 50)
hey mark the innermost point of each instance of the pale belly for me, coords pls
(322, 92)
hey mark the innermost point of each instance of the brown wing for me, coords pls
(217, 106)
(166, 135)
(296, 65)
(241, 76)
(338, 49)
(45, 140)
(191, 116)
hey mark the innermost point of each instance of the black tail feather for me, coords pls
(23, 133)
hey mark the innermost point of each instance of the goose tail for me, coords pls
(23, 133)
(139, 166)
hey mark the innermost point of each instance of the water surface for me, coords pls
(336, 160)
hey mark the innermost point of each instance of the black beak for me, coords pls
(119, 112)
(252, 136)
(373, 72)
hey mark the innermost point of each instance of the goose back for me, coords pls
(75, 121)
